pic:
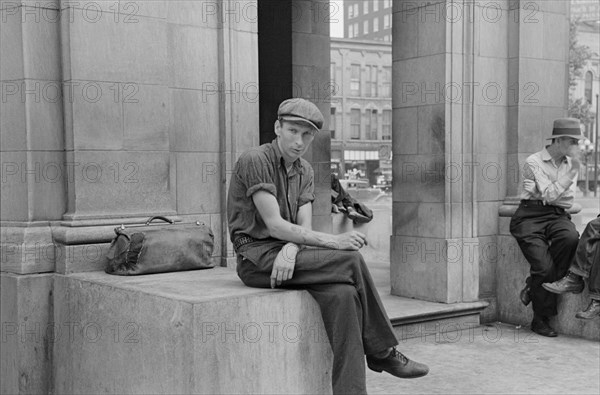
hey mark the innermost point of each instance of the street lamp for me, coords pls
(586, 148)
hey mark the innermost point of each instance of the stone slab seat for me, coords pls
(200, 332)
(512, 270)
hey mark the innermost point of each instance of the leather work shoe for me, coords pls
(592, 311)
(524, 295)
(541, 327)
(569, 283)
(356, 216)
(397, 365)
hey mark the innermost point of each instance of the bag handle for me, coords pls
(161, 218)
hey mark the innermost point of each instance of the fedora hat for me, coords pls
(566, 127)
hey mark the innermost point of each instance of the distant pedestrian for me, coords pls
(542, 225)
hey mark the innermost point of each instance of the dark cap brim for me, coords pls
(293, 118)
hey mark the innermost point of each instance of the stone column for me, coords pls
(311, 80)
(116, 65)
(434, 245)
(32, 189)
(238, 103)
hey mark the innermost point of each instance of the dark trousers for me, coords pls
(587, 258)
(354, 318)
(548, 239)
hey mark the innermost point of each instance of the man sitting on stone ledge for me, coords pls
(541, 224)
(585, 265)
(269, 209)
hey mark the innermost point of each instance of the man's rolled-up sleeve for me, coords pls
(255, 171)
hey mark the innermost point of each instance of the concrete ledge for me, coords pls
(187, 332)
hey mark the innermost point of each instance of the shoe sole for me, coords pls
(576, 292)
(545, 334)
(586, 318)
(411, 377)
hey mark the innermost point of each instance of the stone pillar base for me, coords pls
(433, 269)
(27, 248)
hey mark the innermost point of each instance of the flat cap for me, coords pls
(301, 110)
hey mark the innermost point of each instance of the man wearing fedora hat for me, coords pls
(269, 210)
(542, 225)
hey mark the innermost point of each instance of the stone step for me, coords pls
(413, 318)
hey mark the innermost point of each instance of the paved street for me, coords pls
(496, 359)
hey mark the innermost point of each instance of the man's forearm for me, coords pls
(300, 235)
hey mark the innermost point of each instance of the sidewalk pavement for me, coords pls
(488, 359)
(496, 359)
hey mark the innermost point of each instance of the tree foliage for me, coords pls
(578, 56)
(581, 110)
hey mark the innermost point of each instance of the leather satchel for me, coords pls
(159, 248)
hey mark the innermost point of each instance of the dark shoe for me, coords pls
(569, 283)
(397, 365)
(525, 294)
(356, 216)
(592, 311)
(541, 327)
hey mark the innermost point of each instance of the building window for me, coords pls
(376, 5)
(366, 27)
(371, 126)
(332, 123)
(387, 3)
(386, 84)
(589, 79)
(366, 7)
(355, 80)
(375, 23)
(386, 125)
(371, 84)
(355, 6)
(386, 21)
(350, 12)
(355, 124)
(368, 124)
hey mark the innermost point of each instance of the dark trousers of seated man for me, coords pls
(587, 258)
(548, 240)
(354, 318)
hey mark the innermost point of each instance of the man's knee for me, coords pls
(345, 294)
(570, 239)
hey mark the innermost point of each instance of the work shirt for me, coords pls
(263, 169)
(554, 184)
